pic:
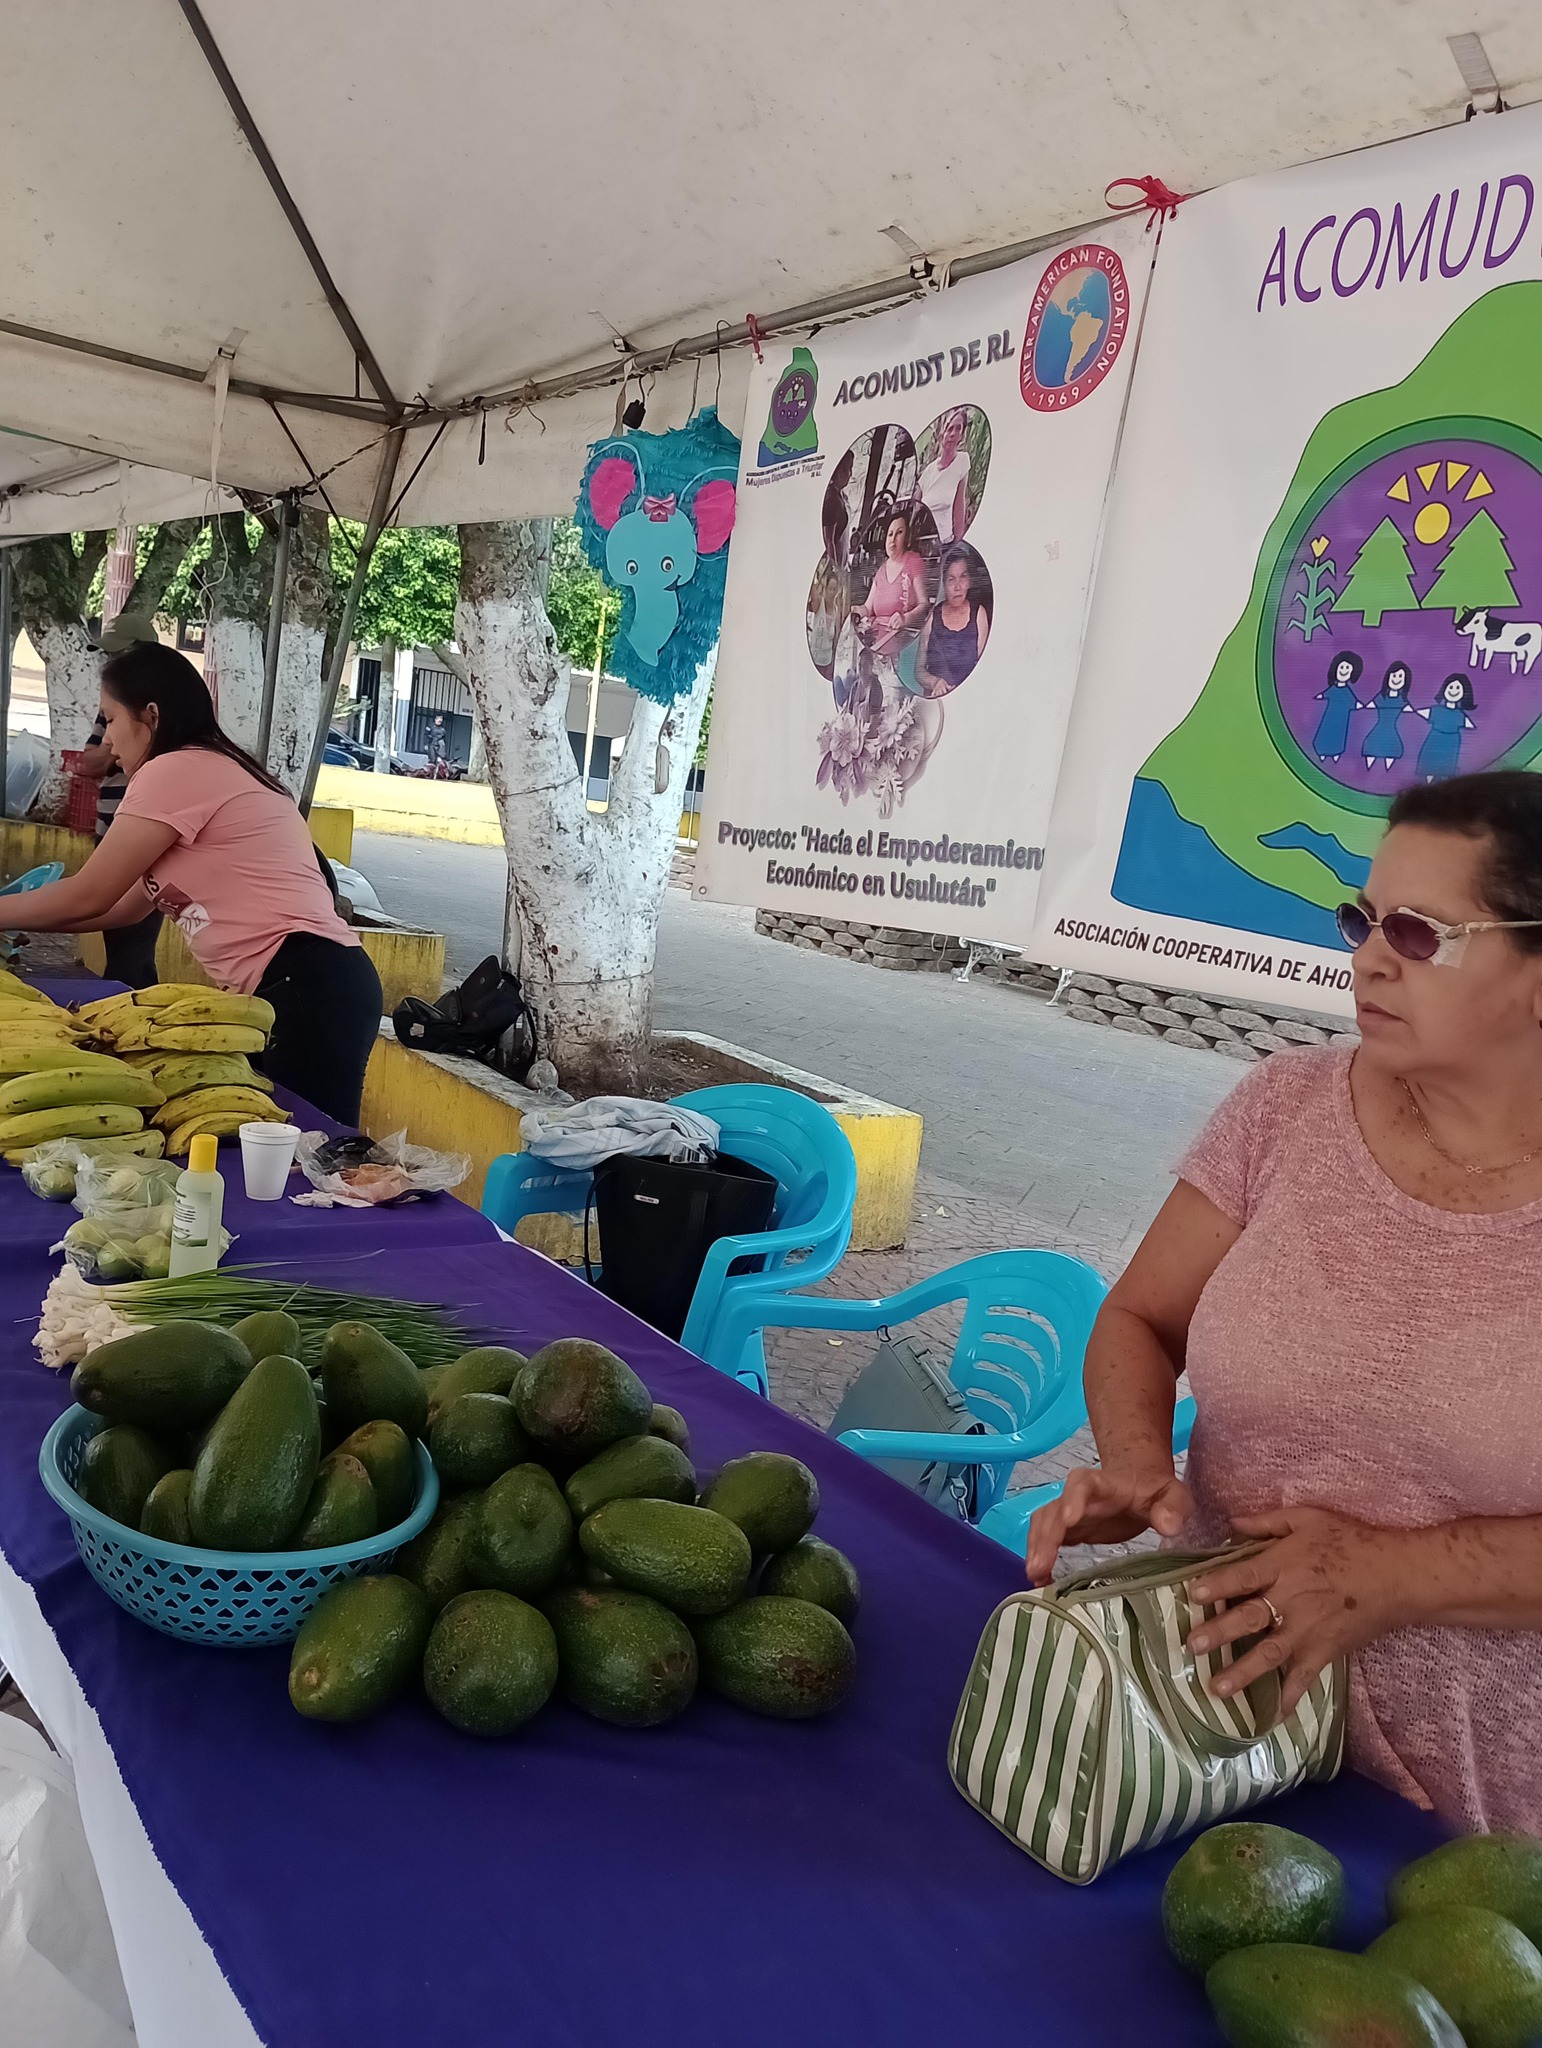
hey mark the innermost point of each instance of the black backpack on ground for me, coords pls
(657, 1219)
(470, 1020)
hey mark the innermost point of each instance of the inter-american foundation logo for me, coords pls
(1076, 327)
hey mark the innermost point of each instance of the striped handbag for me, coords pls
(1086, 1730)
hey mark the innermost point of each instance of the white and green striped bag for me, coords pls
(1087, 1730)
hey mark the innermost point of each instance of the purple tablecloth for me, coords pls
(723, 1880)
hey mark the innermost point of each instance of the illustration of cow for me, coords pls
(1491, 636)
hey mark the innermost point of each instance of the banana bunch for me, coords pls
(212, 1021)
(14, 990)
(72, 1120)
(178, 1073)
(71, 1086)
(219, 1111)
(137, 1144)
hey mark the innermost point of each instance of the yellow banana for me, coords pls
(224, 1126)
(178, 1073)
(253, 1107)
(57, 1086)
(161, 995)
(105, 1006)
(216, 1006)
(39, 1057)
(129, 1032)
(140, 1145)
(208, 1038)
(84, 1120)
(12, 985)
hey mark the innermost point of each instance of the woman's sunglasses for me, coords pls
(1414, 936)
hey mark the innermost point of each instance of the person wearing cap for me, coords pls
(130, 949)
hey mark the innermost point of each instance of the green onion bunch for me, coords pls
(428, 1332)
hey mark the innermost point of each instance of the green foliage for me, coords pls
(574, 597)
(705, 734)
(409, 593)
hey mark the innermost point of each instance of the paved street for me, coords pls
(1072, 1127)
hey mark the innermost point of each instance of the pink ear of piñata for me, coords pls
(613, 482)
(714, 510)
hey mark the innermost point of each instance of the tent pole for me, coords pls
(288, 513)
(5, 670)
(390, 456)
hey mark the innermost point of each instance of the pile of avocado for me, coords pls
(1252, 1908)
(571, 1552)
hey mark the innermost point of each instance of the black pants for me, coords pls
(131, 951)
(326, 1016)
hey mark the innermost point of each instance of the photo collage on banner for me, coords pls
(1321, 579)
(919, 505)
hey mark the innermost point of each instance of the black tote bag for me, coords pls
(657, 1220)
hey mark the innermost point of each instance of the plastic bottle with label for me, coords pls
(197, 1235)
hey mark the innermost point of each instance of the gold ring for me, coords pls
(1276, 1619)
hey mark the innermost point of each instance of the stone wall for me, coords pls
(1202, 1023)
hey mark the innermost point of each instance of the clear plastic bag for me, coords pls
(364, 1173)
(54, 1166)
(126, 1207)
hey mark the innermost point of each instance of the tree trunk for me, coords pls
(585, 888)
(51, 582)
(237, 578)
(172, 541)
(298, 687)
(385, 708)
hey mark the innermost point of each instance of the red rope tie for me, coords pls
(757, 335)
(1160, 200)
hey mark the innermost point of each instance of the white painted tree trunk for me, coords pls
(585, 888)
(233, 664)
(72, 675)
(296, 703)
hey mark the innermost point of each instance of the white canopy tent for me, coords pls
(410, 250)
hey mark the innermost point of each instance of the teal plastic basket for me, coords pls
(237, 1599)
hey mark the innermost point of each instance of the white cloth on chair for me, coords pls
(607, 1124)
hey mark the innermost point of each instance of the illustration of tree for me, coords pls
(1381, 578)
(1315, 599)
(1474, 571)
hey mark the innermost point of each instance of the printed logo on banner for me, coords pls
(1392, 638)
(792, 432)
(1076, 327)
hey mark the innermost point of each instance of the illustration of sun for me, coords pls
(1432, 522)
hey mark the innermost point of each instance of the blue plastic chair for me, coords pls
(785, 1134)
(1007, 1521)
(34, 878)
(1017, 1362)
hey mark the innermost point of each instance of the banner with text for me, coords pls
(1322, 575)
(919, 506)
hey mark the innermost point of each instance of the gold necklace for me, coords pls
(1434, 1144)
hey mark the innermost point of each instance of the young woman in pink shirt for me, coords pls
(204, 834)
(1350, 1268)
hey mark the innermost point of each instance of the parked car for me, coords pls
(343, 751)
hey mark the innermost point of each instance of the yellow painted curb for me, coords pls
(409, 963)
(332, 829)
(24, 844)
(458, 1105)
(460, 811)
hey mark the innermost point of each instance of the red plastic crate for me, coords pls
(80, 810)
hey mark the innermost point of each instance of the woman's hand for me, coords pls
(1335, 1584)
(1097, 1506)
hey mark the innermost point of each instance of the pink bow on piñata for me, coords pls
(659, 509)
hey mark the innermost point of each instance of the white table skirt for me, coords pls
(176, 1989)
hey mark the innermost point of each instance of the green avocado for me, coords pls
(491, 1663)
(1292, 1995)
(119, 1469)
(489, 1369)
(771, 1497)
(269, 1332)
(1483, 1970)
(1246, 1882)
(524, 1534)
(358, 1648)
(670, 1424)
(691, 1559)
(342, 1507)
(1502, 1872)
(366, 1378)
(623, 1658)
(385, 1451)
(258, 1463)
(818, 1572)
(164, 1514)
(639, 1467)
(439, 1560)
(170, 1376)
(475, 1438)
(786, 1658)
(575, 1397)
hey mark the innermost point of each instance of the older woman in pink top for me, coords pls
(1350, 1269)
(206, 835)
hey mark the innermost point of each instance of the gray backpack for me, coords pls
(903, 1387)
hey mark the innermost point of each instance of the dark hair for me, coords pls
(1400, 668)
(959, 553)
(1345, 654)
(902, 514)
(1505, 808)
(1469, 701)
(148, 673)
